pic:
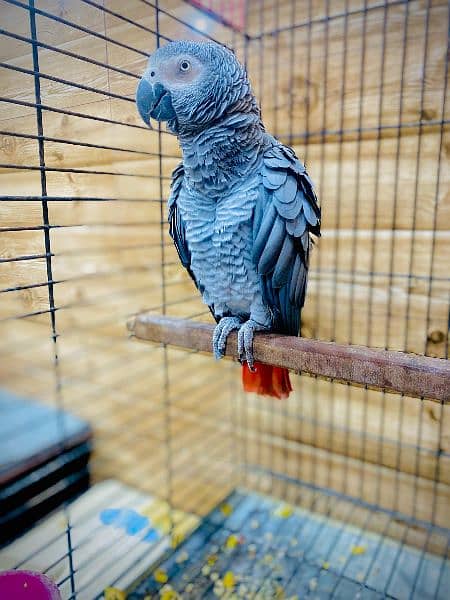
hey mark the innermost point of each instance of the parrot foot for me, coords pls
(223, 329)
(245, 341)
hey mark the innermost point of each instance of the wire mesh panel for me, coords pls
(364, 102)
(359, 90)
(84, 246)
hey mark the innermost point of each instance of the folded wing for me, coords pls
(286, 214)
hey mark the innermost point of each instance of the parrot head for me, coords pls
(190, 84)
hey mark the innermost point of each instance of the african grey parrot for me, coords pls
(241, 207)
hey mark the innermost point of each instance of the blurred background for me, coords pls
(359, 89)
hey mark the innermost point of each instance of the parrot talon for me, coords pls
(223, 329)
(245, 342)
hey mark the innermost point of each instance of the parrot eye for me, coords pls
(185, 66)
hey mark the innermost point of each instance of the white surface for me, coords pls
(102, 553)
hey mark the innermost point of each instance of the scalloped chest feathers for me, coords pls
(220, 238)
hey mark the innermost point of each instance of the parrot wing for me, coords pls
(177, 229)
(286, 213)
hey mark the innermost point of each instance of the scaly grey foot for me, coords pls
(223, 329)
(245, 341)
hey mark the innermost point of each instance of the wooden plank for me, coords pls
(168, 27)
(288, 13)
(124, 145)
(371, 483)
(75, 40)
(351, 422)
(374, 310)
(14, 20)
(409, 374)
(357, 192)
(413, 253)
(317, 55)
(385, 205)
(363, 424)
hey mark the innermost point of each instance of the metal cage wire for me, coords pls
(359, 89)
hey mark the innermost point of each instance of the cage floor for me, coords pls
(117, 532)
(252, 546)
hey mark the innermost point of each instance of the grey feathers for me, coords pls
(283, 223)
(263, 232)
(272, 246)
(242, 206)
(176, 225)
(284, 263)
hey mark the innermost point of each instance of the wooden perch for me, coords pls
(409, 374)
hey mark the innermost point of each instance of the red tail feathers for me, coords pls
(267, 380)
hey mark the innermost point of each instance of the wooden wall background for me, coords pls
(380, 273)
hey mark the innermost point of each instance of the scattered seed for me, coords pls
(160, 576)
(284, 511)
(232, 542)
(226, 509)
(229, 580)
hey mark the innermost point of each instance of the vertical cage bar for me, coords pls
(318, 306)
(49, 267)
(166, 379)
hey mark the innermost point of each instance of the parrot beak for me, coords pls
(153, 101)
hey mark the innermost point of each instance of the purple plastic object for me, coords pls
(27, 585)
